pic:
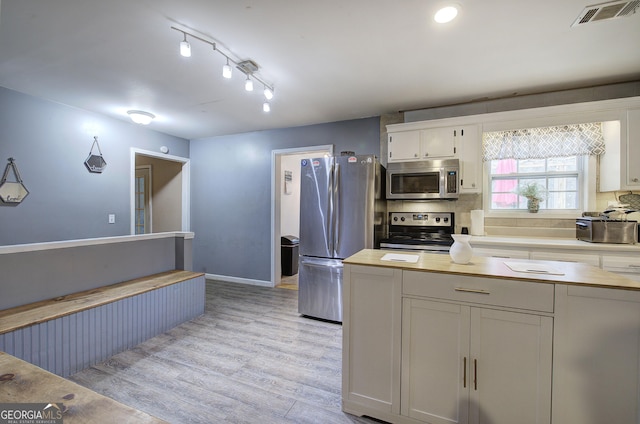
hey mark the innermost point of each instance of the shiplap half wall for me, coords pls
(74, 342)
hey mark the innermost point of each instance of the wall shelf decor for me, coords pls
(95, 163)
(12, 192)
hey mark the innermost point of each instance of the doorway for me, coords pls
(159, 193)
(285, 198)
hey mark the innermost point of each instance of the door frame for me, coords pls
(276, 194)
(186, 185)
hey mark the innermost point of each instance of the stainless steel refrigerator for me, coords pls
(342, 211)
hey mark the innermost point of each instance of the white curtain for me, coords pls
(544, 142)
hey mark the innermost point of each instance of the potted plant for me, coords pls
(535, 193)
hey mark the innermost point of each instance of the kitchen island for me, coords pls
(494, 341)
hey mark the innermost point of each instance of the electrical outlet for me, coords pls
(112, 218)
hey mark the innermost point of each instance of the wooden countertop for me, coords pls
(573, 273)
(22, 382)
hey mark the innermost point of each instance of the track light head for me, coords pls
(185, 47)
(268, 93)
(266, 107)
(227, 72)
(248, 84)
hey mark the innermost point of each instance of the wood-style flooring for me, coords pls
(249, 359)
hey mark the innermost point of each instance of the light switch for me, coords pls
(112, 218)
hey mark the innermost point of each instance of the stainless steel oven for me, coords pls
(429, 179)
(421, 231)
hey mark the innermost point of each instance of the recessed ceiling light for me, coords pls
(446, 14)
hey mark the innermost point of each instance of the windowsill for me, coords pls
(542, 214)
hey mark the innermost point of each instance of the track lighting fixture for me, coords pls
(268, 93)
(248, 84)
(226, 70)
(247, 67)
(185, 47)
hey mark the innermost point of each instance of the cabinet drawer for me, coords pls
(585, 258)
(484, 291)
(501, 253)
(630, 265)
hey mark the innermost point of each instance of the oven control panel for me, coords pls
(431, 219)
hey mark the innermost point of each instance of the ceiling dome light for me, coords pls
(446, 14)
(141, 117)
(248, 84)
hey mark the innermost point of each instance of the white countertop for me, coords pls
(551, 243)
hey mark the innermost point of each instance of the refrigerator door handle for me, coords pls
(336, 209)
(331, 210)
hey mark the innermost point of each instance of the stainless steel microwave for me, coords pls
(428, 179)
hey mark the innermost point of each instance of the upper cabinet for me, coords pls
(421, 144)
(463, 142)
(620, 164)
(469, 147)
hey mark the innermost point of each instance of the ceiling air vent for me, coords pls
(605, 11)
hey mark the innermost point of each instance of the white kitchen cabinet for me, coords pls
(421, 144)
(372, 299)
(597, 346)
(625, 265)
(404, 146)
(620, 164)
(468, 144)
(463, 364)
(438, 142)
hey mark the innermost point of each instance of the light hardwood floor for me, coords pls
(249, 359)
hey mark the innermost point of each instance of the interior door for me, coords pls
(316, 207)
(143, 200)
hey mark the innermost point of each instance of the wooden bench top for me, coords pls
(34, 313)
(22, 382)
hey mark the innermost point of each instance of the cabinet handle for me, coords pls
(477, 291)
(634, 266)
(475, 374)
(464, 379)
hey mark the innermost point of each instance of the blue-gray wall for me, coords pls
(50, 143)
(231, 191)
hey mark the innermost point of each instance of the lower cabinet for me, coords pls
(464, 364)
(597, 356)
(371, 332)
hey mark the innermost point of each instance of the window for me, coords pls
(559, 176)
(551, 157)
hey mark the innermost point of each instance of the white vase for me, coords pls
(461, 251)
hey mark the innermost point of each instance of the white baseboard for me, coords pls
(238, 280)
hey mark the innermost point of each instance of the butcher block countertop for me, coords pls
(22, 382)
(571, 273)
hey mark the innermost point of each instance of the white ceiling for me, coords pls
(328, 60)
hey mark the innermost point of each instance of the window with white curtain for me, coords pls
(553, 157)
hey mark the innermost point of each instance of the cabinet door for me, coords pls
(435, 361)
(468, 144)
(371, 331)
(511, 357)
(404, 145)
(437, 142)
(596, 356)
(633, 149)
